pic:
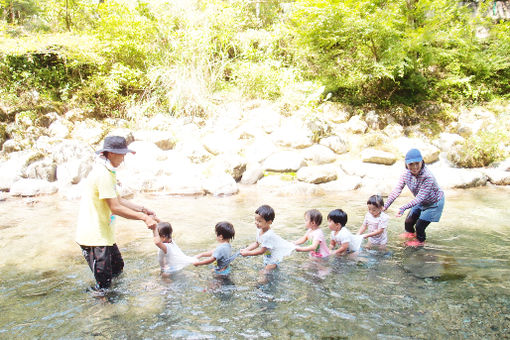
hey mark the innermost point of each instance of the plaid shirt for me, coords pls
(424, 187)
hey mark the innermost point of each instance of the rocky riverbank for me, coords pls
(307, 152)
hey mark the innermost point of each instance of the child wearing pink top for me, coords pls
(317, 244)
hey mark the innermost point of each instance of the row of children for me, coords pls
(273, 247)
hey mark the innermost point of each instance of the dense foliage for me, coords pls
(182, 56)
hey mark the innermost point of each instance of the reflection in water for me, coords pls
(457, 286)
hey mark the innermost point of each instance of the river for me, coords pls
(458, 286)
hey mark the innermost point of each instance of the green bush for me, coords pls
(480, 150)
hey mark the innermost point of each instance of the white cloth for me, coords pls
(345, 236)
(277, 247)
(375, 223)
(174, 259)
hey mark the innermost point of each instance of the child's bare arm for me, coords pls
(302, 239)
(343, 248)
(255, 252)
(314, 246)
(208, 260)
(157, 240)
(250, 247)
(375, 233)
(362, 229)
(332, 245)
(204, 254)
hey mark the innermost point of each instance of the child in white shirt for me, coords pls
(340, 235)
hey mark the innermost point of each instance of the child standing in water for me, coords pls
(376, 221)
(340, 235)
(318, 246)
(223, 253)
(272, 246)
(171, 258)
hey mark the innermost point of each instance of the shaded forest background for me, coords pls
(415, 60)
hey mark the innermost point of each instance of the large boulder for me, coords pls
(429, 152)
(32, 187)
(470, 121)
(334, 112)
(89, 131)
(259, 149)
(194, 150)
(284, 161)
(497, 176)
(12, 145)
(336, 143)
(220, 185)
(447, 140)
(182, 183)
(73, 171)
(58, 129)
(356, 125)
(344, 183)
(165, 140)
(373, 120)
(319, 154)
(145, 159)
(218, 142)
(449, 178)
(252, 174)
(69, 150)
(284, 187)
(317, 174)
(292, 134)
(393, 130)
(43, 169)
(15, 166)
(371, 155)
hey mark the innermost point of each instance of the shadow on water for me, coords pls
(454, 287)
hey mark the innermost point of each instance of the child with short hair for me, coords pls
(171, 258)
(272, 246)
(314, 234)
(340, 235)
(376, 221)
(223, 253)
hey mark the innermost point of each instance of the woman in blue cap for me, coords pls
(426, 207)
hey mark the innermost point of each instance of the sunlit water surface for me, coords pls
(458, 286)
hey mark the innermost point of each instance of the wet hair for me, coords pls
(225, 229)
(338, 216)
(266, 212)
(164, 229)
(376, 200)
(314, 215)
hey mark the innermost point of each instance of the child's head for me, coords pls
(165, 230)
(338, 216)
(266, 212)
(376, 200)
(225, 230)
(314, 216)
(375, 205)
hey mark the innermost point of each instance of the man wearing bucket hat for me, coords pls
(426, 207)
(100, 203)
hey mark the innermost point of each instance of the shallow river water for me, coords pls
(458, 286)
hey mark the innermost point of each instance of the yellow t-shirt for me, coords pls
(95, 220)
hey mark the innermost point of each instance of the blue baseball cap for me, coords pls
(413, 156)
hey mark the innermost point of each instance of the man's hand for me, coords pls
(150, 222)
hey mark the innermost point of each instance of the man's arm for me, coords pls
(124, 211)
(137, 207)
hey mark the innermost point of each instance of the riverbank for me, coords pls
(309, 151)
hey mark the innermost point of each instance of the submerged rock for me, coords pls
(431, 263)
